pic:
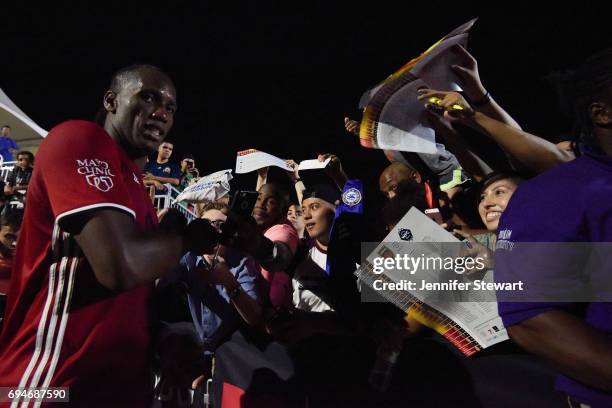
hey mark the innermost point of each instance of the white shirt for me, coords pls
(311, 283)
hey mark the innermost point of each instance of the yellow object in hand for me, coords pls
(437, 101)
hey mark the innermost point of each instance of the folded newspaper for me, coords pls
(393, 117)
(438, 294)
(208, 188)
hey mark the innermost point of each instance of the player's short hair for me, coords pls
(124, 75)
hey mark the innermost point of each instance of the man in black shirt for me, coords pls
(18, 180)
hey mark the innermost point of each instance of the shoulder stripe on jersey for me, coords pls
(41, 331)
(91, 207)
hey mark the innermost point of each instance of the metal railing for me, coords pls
(165, 199)
(6, 169)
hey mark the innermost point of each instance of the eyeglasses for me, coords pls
(217, 224)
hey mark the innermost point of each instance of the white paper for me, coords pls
(313, 164)
(208, 188)
(248, 161)
(420, 139)
(255, 160)
(480, 319)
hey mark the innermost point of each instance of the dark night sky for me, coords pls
(280, 76)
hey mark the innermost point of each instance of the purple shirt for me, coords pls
(570, 203)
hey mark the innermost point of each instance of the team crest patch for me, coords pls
(405, 234)
(97, 173)
(351, 197)
(167, 170)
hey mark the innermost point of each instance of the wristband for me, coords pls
(482, 102)
(297, 180)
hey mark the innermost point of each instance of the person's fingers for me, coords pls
(425, 93)
(449, 102)
(197, 382)
(459, 70)
(458, 114)
(434, 109)
(451, 118)
(462, 53)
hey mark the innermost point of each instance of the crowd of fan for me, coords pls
(309, 299)
(289, 329)
(13, 190)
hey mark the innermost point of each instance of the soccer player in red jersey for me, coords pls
(78, 312)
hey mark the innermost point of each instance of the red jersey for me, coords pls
(62, 328)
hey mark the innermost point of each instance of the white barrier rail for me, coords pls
(6, 169)
(164, 199)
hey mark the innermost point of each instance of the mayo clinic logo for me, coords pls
(97, 173)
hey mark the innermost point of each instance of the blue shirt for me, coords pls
(214, 316)
(6, 143)
(169, 169)
(569, 203)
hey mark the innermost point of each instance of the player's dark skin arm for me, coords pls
(575, 348)
(121, 257)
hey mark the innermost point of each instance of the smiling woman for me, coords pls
(495, 193)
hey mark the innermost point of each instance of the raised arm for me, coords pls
(474, 90)
(262, 177)
(294, 176)
(533, 152)
(455, 142)
(334, 169)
